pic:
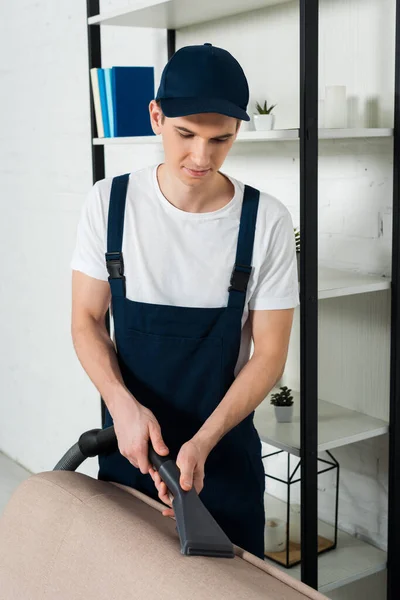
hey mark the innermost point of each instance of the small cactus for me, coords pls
(264, 110)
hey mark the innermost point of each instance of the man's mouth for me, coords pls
(195, 172)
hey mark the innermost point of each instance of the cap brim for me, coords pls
(180, 107)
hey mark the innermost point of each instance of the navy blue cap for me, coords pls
(203, 79)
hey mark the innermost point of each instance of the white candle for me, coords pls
(275, 535)
(335, 116)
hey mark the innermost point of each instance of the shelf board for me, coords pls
(355, 133)
(323, 134)
(351, 560)
(334, 283)
(337, 426)
(175, 14)
(261, 136)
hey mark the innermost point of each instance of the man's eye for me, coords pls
(190, 136)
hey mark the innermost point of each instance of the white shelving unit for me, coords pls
(337, 426)
(333, 283)
(352, 559)
(275, 135)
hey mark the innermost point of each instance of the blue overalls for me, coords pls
(179, 362)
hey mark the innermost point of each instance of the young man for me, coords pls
(196, 264)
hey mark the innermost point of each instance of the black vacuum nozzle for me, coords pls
(199, 533)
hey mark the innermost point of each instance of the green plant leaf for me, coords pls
(282, 398)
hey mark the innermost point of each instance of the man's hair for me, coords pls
(163, 116)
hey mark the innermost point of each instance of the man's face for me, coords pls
(198, 142)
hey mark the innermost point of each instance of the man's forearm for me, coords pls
(96, 353)
(249, 389)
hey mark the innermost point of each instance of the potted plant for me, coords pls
(283, 403)
(297, 240)
(264, 120)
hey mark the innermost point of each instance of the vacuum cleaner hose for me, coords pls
(90, 443)
(99, 441)
(71, 459)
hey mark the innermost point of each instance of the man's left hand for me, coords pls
(190, 460)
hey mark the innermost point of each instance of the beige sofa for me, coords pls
(67, 536)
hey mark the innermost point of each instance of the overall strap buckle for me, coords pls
(115, 265)
(240, 278)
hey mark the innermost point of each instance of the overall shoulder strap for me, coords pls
(244, 252)
(115, 230)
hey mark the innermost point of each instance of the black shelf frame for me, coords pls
(309, 35)
(393, 560)
(309, 31)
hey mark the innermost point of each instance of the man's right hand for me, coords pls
(134, 426)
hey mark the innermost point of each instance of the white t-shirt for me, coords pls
(180, 258)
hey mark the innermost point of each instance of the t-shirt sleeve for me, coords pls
(90, 246)
(277, 281)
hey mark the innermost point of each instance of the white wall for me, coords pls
(46, 399)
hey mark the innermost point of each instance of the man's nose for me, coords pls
(201, 154)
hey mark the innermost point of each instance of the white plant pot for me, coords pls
(264, 122)
(284, 414)
(298, 265)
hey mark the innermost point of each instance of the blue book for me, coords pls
(133, 90)
(107, 79)
(103, 102)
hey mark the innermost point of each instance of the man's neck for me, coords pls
(208, 197)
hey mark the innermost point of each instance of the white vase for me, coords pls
(264, 122)
(284, 414)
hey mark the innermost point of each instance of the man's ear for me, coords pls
(155, 117)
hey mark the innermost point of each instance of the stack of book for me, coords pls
(121, 97)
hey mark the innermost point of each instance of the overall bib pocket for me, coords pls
(178, 378)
